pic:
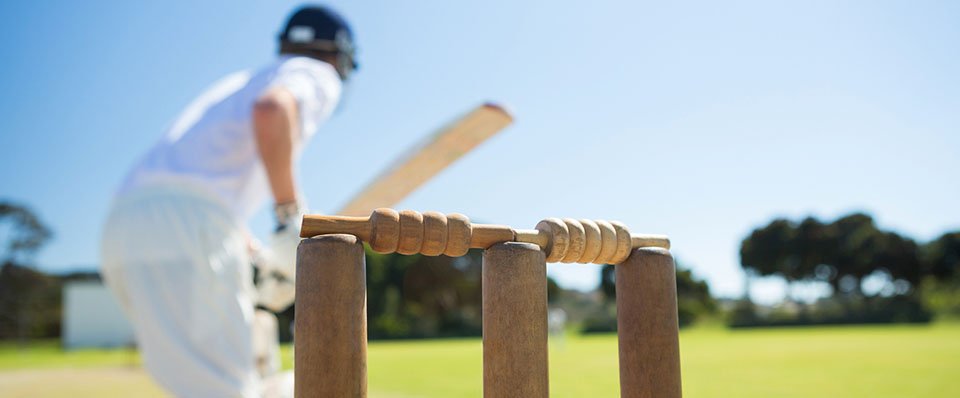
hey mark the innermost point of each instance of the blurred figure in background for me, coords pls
(557, 326)
(176, 250)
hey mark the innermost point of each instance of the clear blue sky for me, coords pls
(699, 120)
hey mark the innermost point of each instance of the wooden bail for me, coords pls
(432, 234)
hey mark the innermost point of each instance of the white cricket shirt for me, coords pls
(211, 145)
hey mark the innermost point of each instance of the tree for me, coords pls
(693, 297)
(941, 257)
(854, 246)
(26, 234)
(608, 285)
(841, 253)
(763, 251)
(941, 264)
(30, 303)
(774, 250)
(900, 258)
(29, 300)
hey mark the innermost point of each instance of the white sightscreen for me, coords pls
(92, 317)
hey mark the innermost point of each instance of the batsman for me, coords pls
(176, 250)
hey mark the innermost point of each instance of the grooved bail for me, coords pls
(409, 232)
(584, 241)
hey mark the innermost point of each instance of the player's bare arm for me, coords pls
(276, 127)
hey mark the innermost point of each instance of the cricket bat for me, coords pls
(427, 158)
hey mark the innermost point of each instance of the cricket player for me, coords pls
(176, 250)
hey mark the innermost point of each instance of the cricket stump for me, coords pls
(514, 284)
(647, 327)
(331, 318)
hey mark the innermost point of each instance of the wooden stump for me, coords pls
(647, 325)
(514, 321)
(330, 347)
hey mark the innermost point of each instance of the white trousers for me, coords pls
(178, 263)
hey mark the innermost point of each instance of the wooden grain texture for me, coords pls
(411, 232)
(385, 230)
(535, 236)
(624, 243)
(431, 233)
(647, 325)
(649, 240)
(330, 349)
(316, 224)
(486, 235)
(578, 241)
(459, 235)
(592, 244)
(608, 242)
(434, 233)
(514, 284)
(559, 238)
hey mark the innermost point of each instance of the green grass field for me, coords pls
(857, 361)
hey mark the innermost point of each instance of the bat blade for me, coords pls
(429, 157)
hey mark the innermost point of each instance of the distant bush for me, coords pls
(604, 320)
(829, 311)
(942, 297)
(30, 303)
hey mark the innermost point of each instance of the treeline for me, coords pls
(842, 254)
